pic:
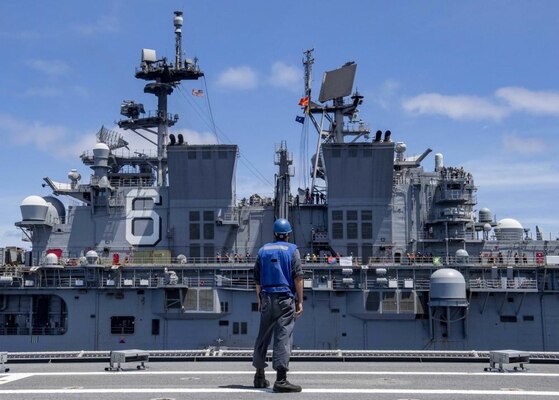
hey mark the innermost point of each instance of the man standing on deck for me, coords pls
(278, 277)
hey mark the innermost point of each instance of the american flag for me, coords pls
(197, 92)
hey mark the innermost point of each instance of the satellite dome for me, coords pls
(461, 255)
(92, 257)
(509, 229)
(400, 147)
(34, 208)
(485, 215)
(51, 259)
(101, 146)
(447, 283)
(507, 223)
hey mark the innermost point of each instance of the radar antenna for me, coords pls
(111, 138)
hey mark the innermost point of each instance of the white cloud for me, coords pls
(45, 91)
(32, 133)
(530, 101)
(455, 107)
(386, 93)
(286, 76)
(243, 78)
(523, 145)
(506, 174)
(49, 67)
(105, 24)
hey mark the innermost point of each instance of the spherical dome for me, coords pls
(509, 223)
(461, 253)
(74, 175)
(487, 227)
(447, 283)
(101, 146)
(34, 201)
(51, 259)
(400, 147)
(91, 257)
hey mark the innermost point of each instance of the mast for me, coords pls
(166, 77)
(336, 85)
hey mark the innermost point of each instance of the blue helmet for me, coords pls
(282, 227)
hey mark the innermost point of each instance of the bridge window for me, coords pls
(122, 325)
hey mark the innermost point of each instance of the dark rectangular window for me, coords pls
(244, 328)
(352, 230)
(194, 215)
(122, 325)
(224, 306)
(192, 155)
(366, 230)
(195, 251)
(208, 216)
(351, 215)
(528, 318)
(255, 307)
(337, 215)
(336, 153)
(352, 152)
(209, 231)
(508, 318)
(155, 326)
(194, 231)
(223, 323)
(206, 154)
(367, 215)
(337, 230)
(373, 301)
(222, 154)
(235, 328)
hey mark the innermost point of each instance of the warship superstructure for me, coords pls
(157, 252)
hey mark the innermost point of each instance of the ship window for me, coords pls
(222, 154)
(244, 328)
(194, 215)
(352, 152)
(173, 298)
(336, 153)
(352, 230)
(367, 215)
(366, 230)
(209, 250)
(235, 328)
(208, 231)
(206, 154)
(122, 325)
(351, 215)
(255, 307)
(194, 231)
(192, 155)
(240, 328)
(528, 318)
(337, 215)
(223, 323)
(208, 216)
(224, 306)
(508, 318)
(352, 249)
(337, 230)
(373, 301)
(195, 250)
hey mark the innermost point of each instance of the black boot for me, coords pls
(282, 385)
(260, 381)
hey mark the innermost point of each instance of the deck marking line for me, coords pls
(323, 391)
(251, 372)
(7, 378)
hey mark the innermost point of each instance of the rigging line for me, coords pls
(210, 107)
(198, 109)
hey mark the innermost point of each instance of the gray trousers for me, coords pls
(277, 316)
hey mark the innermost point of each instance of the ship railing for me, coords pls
(503, 284)
(397, 283)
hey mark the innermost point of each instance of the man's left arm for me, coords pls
(298, 280)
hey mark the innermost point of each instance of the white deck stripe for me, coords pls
(323, 391)
(251, 372)
(7, 378)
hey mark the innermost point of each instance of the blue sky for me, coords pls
(476, 81)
